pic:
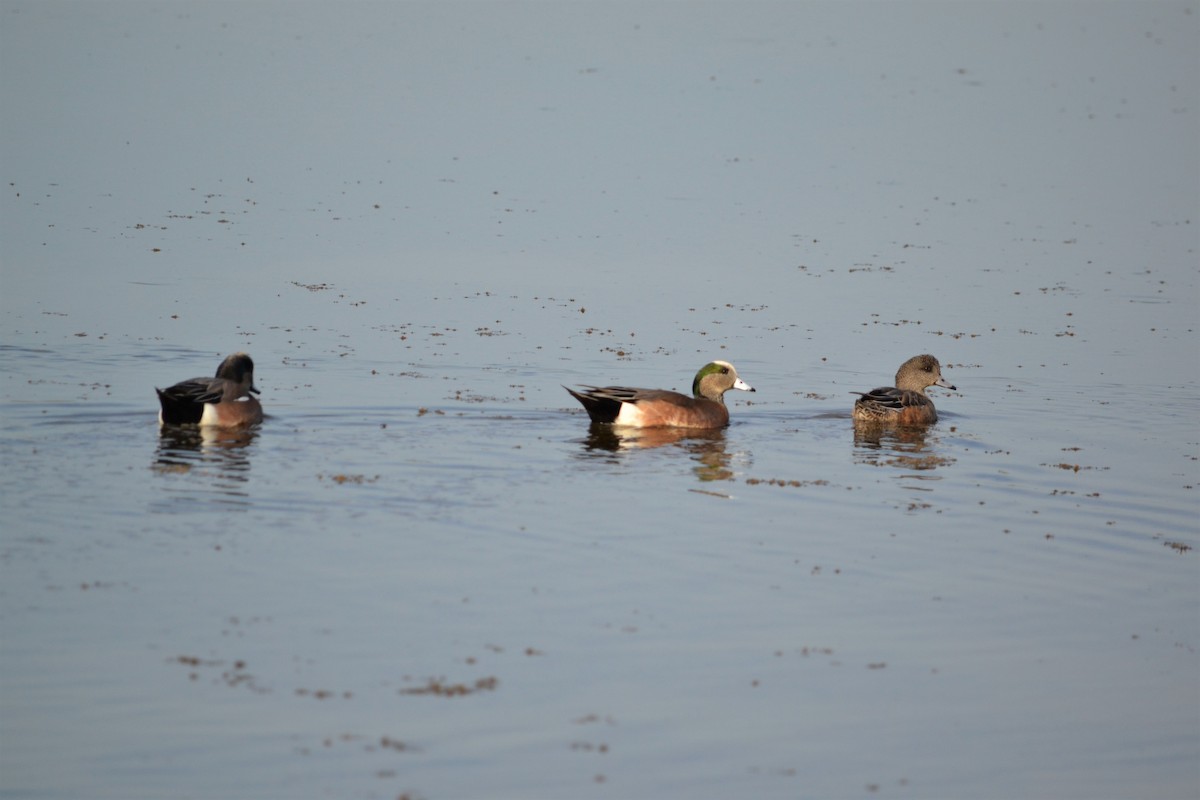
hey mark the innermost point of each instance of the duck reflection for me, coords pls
(705, 446)
(223, 454)
(911, 447)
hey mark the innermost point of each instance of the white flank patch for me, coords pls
(209, 417)
(630, 414)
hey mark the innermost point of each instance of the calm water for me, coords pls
(425, 576)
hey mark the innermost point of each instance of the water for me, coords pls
(425, 576)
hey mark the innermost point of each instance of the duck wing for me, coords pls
(891, 397)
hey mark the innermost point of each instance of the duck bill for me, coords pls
(945, 384)
(741, 384)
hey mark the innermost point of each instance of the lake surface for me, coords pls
(425, 575)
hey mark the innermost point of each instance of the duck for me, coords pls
(905, 403)
(224, 401)
(661, 408)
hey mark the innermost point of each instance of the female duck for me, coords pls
(654, 408)
(906, 402)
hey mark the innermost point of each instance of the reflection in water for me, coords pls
(705, 446)
(905, 447)
(220, 457)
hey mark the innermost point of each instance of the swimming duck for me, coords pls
(905, 403)
(226, 400)
(651, 408)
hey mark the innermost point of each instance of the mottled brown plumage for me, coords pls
(905, 403)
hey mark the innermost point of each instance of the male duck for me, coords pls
(906, 402)
(654, 408)
(223, 401)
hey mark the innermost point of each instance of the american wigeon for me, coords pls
(223, 401)
(652, 408)
(906, 402)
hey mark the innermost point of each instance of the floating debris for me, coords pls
(437, 686)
